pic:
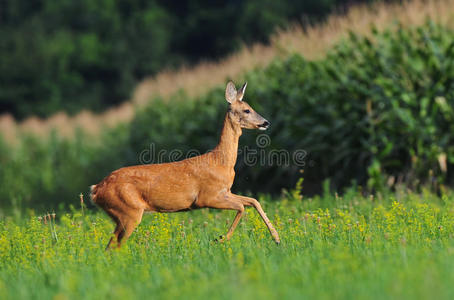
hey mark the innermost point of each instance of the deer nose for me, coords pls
(264, 125)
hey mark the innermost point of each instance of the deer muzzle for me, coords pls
(264, 125)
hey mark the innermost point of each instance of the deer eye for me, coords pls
(247, 111)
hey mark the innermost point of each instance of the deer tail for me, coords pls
(93, 191)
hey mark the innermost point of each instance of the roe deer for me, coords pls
(196, 182)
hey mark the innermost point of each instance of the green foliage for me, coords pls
(72, 54)
(375, 107)
(399, 92)
(78, 54)
(51, 174)
(374, 111)
(356, 247)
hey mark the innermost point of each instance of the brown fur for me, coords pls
(197, 182)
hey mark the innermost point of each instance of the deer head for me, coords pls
(242, 113)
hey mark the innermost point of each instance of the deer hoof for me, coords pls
(221, 239)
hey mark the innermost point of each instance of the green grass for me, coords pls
(397, 246)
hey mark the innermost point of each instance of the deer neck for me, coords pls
(227, 149)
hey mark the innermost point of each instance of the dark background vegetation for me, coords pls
(373, 112)
(73, 54)
(386, 113)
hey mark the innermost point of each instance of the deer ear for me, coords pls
(241, 92)
(230, 92)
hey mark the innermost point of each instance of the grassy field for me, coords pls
(396, 246)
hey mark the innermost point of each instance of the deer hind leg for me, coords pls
(114, 238)
(132, 208)
(126, 221)
(115, 216)
(129, 221)
(247, 201)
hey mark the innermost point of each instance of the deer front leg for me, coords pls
(253, 202)
(226, 201)
(238, 216)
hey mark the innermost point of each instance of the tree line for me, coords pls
(67, 55)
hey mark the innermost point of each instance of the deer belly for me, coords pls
(173, 187)
(172, 199)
